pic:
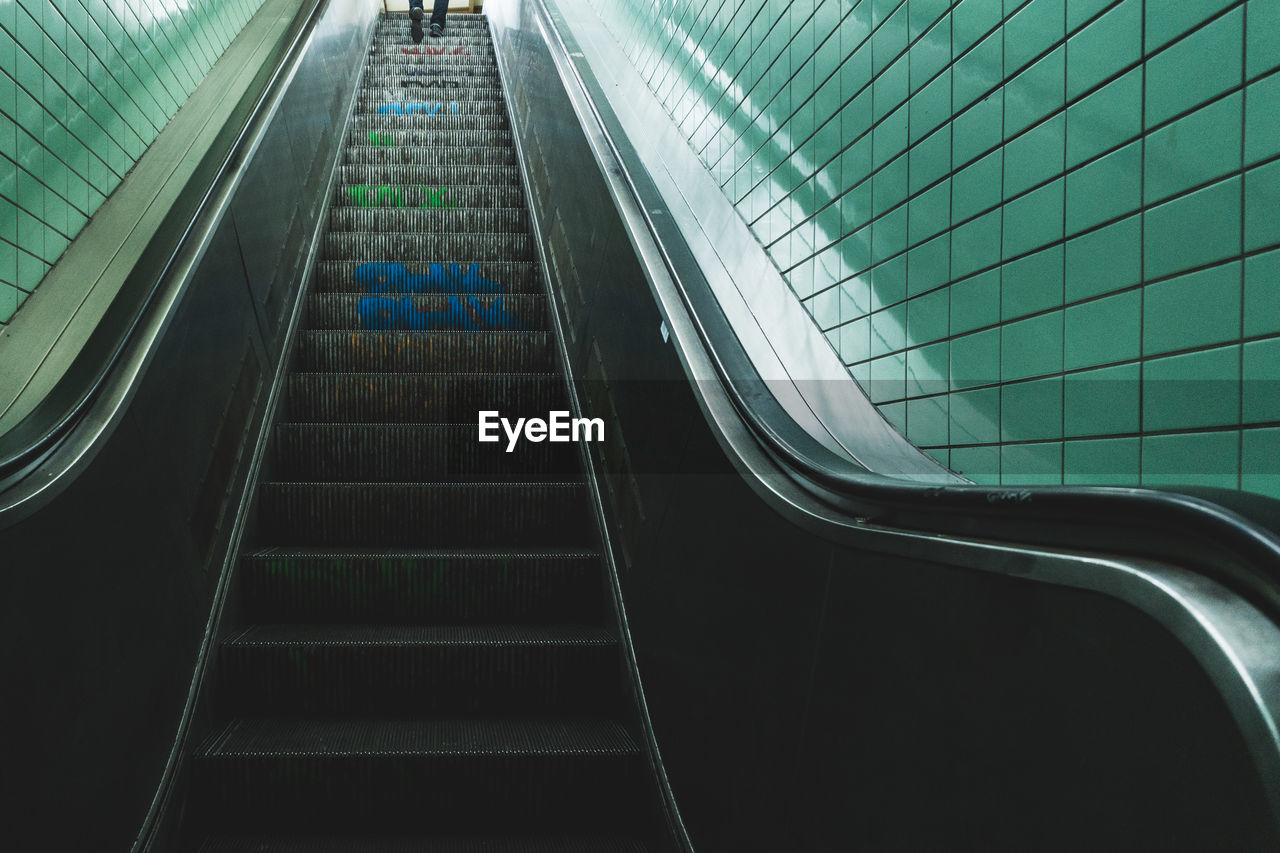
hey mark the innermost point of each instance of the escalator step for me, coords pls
(420, 398)
(357, 277)
(406, 248)
(398, 311)
(440, 173)
(427, 515)
(429, 220)
(397, 669)
(345, 351)
(421, 155)
(380, 78)
(422, 845)
(361, 125)
(413, 453)
(428, 106)
(441, 775)
(445, 587)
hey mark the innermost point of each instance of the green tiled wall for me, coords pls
(84, 89)
(1043, 234)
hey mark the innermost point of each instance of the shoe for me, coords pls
(436, 31)
(415, 14)
(415, 31)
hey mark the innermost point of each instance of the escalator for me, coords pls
(426, 651)
(266, 591)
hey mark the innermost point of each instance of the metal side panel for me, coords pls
(113, 552)
(815, 681)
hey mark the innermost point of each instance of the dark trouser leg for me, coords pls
(438, 11)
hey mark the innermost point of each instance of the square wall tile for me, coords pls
(1196, 459)
(855, 341)
(972, 20)
(1262, 53)
(888, 378)
(1035, 157)
(1109, 187)
(1262, 207)
(889, 330)
(1103, 401)
(979, 71)
(1101, 462)
(929, 265)
(1031, 411)
(975, 302)
(975, 416)
(1261, 392)
(1262, 294)
(1194, 150)
(932, 51)
(978, 129)
(1031, 31)
(927, 370)
(1194, 310)
(1168, 19)
(1260, 461)
(930, 160)
(975, 245)
(1033, 220)
(927, 317)
(1031, 347)
(930, 213)
(1191, 391)
(1193, 230)
(1034, 94)
(979, 464)
(977, 187)
(1104, 331)
(930, 108)
(1031, 464)
(928, 421)
(1200, 67)
(1104, 260)
(1032, 283)
(975, 360)
(1100, 50)
(1262, 120)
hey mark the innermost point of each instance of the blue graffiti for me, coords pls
(384, 313)
(417, 107)
(388, 277)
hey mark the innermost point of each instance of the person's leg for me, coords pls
(437, 14)
(415, 20)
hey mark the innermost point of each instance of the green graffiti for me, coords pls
(381, 138)
(367, 195)
(438, 198)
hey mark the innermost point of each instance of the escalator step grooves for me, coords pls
(343, 351)
(458, 248)
(413, 453)
(280, 669)
(400, 588)
(425, 658)
(420, 398)
(358, 277)
(412, 845)
(429, 737)
(434, 515)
